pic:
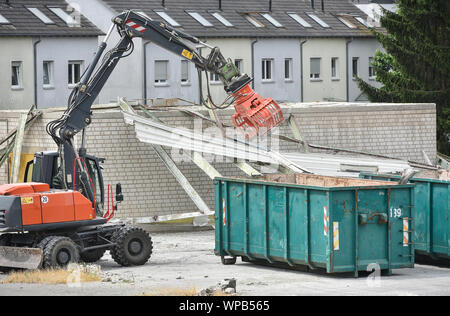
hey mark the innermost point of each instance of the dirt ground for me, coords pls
(185, 263)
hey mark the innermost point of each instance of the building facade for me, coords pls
(44, 48)
(16, 68)
(294, 51)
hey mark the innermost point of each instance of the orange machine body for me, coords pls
(40, 205)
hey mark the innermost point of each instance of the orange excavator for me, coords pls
(58, 217)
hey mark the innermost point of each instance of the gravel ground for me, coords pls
(185, 261)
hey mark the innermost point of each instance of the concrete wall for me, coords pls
(278, 88)
(363, 49)
(60, 51)
(234, 48)
(150, 189)
(324, 88)
(16, 49)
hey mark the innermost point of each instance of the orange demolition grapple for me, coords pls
(254, 114)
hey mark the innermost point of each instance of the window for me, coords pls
(47, 74)
(4, 20)
(318, 20)
(184, 71)
(161, 71)
(167, 18)
(267, 69)
(314, 68)
(269, 18)
(214, 78)
(362, 21)
(239, 64)
(41, 16)
(74, 72)
(253, 21)
(200, 19)
(346, 22)
(288, 69)
(94, 173)
(334, 68)
(372, 73)
(355, 66)
(299, 20)
(16, 79)
(64, 16)
(221, 19)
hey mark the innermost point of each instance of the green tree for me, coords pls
(416, 64)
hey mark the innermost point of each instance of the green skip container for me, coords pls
(298, 220)
(431, 235)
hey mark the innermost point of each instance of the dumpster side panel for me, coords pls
(439, 218)
(422, 218)
(236, 215)
(373, 232)
(257, 221)
(299, 227)
(277, 221)
(401, 218)
(319, 227)
(343, 204)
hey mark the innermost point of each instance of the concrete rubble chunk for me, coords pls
(227, 286)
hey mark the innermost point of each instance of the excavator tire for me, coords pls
(44, 242)
(5, 242)
(59, 252)
(92, 256)
(134, 246)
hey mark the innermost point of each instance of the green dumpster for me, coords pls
(431, 235)
(336, 224)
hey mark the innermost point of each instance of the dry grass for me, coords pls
(52, 276)
(173, 292)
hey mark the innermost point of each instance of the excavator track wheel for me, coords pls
(5, 242)
(44, 242)
(59, 252)
(133, 247)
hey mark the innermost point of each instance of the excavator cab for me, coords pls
(45, 168)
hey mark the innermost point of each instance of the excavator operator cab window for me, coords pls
(95, 175)
(43, 168)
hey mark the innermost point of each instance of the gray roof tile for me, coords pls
(234, 12)
(25, 23)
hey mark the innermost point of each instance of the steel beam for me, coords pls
(170, 164)
(297, 133)
(17, 151)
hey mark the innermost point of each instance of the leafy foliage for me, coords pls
(416, 65)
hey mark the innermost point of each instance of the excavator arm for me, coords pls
(254, 114)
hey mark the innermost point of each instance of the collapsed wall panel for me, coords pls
(151, 190)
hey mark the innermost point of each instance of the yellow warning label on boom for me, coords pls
(187, 54)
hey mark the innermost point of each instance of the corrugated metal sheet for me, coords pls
(151, 132)
(332, 165)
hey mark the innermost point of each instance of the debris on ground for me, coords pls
(114, 278)
(226, 286)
